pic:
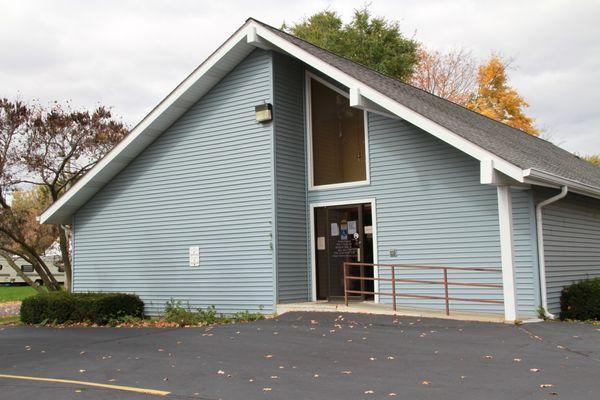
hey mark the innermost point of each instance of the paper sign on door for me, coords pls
(351, 227)
(321, 243)
(335, 229)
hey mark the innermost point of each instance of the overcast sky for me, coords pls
(130, 54)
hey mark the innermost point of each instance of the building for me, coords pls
(203, 203)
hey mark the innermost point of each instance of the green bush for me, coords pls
(185, 316)
(175, 312)
(98, 308)
(581, 300)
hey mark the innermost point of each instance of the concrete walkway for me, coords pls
(369, 307)
(10, 308)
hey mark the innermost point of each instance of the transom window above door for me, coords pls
(337, 137)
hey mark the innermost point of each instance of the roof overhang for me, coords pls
(251, 35)
(541, 178)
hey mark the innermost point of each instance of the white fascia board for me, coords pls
(146, 131)
(358, 88)
(542, 178)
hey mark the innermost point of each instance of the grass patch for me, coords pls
(16, 293)
(9, 320)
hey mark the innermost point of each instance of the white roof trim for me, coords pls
(253, 33)
(391, 105)
(542, 178)
(118, 155)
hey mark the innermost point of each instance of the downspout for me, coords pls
(540, 243)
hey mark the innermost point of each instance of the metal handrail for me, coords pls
(394, 280)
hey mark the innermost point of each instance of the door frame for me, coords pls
(313, 250)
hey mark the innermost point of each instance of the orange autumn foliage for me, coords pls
(495, 99)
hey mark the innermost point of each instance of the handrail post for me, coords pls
(393, 287)
(345, 284)
(446, 291)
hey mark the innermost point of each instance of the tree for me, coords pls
(48, 150)
(594, 159)
(494, 98)
(449, 75)
(374, 42)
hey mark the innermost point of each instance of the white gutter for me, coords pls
(540, 243)
(537, 177)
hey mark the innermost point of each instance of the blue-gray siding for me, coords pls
(290, 180)
(526, 258)
(571, 230)
(432, 209)
(207, 182)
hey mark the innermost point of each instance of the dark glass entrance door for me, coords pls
(343, 234)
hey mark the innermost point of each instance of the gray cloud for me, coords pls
(130, 54)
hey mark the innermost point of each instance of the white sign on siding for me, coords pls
(194, 256)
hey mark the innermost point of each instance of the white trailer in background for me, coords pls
(8, 276)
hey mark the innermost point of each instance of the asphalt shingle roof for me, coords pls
(515, 146)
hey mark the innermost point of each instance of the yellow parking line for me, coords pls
(84, 383)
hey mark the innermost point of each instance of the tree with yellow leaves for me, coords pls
(593, 159)
(495, 99)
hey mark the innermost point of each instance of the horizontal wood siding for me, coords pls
(571, 242)
(432, 209)
(526, 263)
(292, 271)
(206, 182)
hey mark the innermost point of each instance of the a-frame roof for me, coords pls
(520, 156)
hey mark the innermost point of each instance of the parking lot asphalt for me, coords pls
(306, 356)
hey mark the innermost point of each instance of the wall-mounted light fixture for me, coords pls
(264, 112)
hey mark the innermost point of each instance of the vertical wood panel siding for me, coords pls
(571, 242)
(290, 180)
(207, 182)
(432, 210)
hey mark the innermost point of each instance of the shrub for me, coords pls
(98, 308)
(175, 312)
(246, 316)
(581, 300)
(185, 316)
